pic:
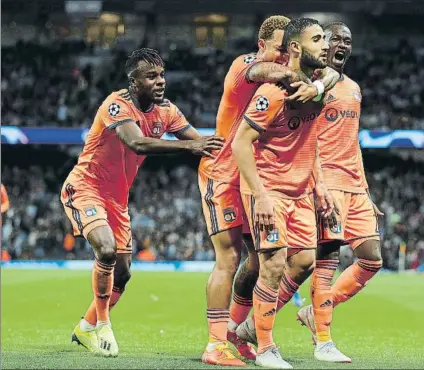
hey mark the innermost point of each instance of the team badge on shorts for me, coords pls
(229, 214)
(262, 104)
(114, 109)
(273, 236)
(90, 211)
(337, 229)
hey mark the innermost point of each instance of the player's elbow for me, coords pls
(140, 146)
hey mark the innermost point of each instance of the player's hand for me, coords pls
(376, 210)
(264, 212)
(305, 92)
(206, 145)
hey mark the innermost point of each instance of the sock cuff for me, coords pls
(288, 284)
(372, 266)
(217, 314)
(327, 264)
(264, 292)
(242, 301)
(105, 268)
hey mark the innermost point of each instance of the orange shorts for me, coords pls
(357, 220)
(295, 224)
(86, 210)
(222, 205)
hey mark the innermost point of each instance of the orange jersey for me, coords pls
(108, 165)
(338, 127)
(5, 204)
(238, 91)
(285, 152)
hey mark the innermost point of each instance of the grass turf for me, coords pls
(160, 323)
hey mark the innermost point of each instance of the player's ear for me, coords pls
(295, 47)
(261, 44)
(131, 81)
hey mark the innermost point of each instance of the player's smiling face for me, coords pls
(272, 49)
(150, 83)
(314, 47)
(340, 41)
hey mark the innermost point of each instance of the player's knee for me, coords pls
(272, 266)
(107, 254)
(228, 260)
(122, 279)
(369, 250)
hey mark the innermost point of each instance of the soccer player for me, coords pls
(5, 204)
(343, 171)
(127, 127)
(276, 151)
(221, 200)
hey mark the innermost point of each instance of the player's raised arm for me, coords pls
(270, 72)
(130, 134)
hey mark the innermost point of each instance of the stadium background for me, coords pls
(60, 59)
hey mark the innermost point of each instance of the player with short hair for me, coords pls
(276, 151)
(127, 127)
(221, 199)
(343, 171)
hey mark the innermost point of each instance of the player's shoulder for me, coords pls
(350, 83)
(243, 60)
(121, 97)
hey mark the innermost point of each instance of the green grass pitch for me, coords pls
(160, 323)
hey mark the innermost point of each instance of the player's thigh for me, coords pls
(362, 222)
(221, 204)
(327, 234)
(84, 208)
(120, 223)
(268, 240)
(301, 226)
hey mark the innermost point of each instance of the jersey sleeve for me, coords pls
(115, 111)
(4, 199)
(238, 75)
(177, 121)
(264, 107)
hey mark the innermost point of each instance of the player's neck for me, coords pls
(141, 105)
(295, 65)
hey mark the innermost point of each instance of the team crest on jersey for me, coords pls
(114, 109)
(229, 214)
(248, 59)
(357, 95)
(157, 128)
(90, 211)
(273, 236)
(262, 104)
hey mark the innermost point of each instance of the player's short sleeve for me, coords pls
(239, 70)
(177, 122)
(115, 111)
(263, 107)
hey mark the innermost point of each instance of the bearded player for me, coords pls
(127, 128)
(343, 171)
(221, 199)
(276, 152)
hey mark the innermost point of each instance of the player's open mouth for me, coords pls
(159, 92)
(339, 55)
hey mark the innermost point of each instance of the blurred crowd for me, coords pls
(167, 220)
(48, 85)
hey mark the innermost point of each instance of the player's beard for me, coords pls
(309, 61)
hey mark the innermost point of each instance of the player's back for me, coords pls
(238, 91)
(338, 127)
(285, 152)
(106, 164)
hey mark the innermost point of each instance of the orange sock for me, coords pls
(217, 322)
(102, 280)
(353, 279)
(240, 308)
(264, 309)
(287, 288)
(322, 297)
(91, 314)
